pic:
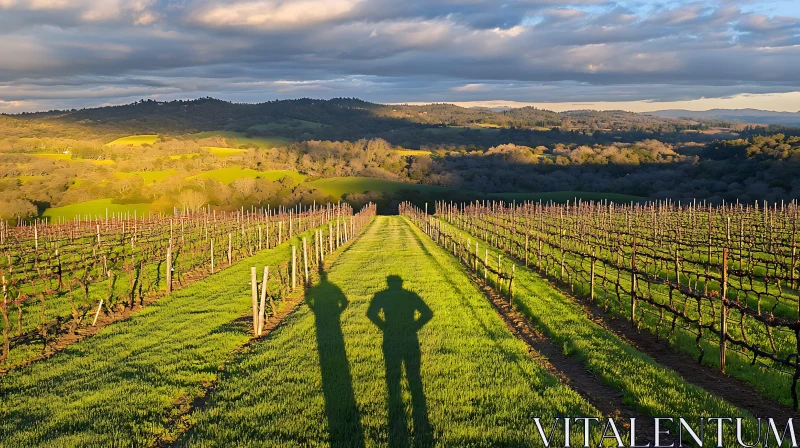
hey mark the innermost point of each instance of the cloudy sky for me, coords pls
(636, 55)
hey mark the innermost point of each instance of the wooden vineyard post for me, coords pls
(97, 313)
(320, 248)
(169, 269)
(633, 284)
(259, 238)
(499, 271)
(723, 327)
(305, 258)
(294, 267)
(591, 278)
(261, 315)
(485, 265)
(254, 294)
(330, 237)
(212, 255)
(230, 249)
(7, 323)
(511, 285)
(539, 255)
(527, 247)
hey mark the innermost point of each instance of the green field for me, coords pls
(230, 174)
(122, 386)
(224, 152)
(135, 140)
(394, 346)
(338, 186)
(94, 208)
(609, 358)
(149, 177)
(24, 179)
(240, 139)
(412, 152)
(331, 377)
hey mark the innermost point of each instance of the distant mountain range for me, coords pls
(755, 116)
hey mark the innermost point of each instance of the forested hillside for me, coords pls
(186, 154)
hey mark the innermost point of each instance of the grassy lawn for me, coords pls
(332, 377)
(24, 179)
(412, 152)
(93, 208)
(135, 140)
(230, 174)
(122, 386)
(241, 139)
(337, 186)
(224, 152)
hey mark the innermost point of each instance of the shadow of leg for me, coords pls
(398, 427)
(423, 435)
(344, 420)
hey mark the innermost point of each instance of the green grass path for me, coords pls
(321, 379)
(121, 386)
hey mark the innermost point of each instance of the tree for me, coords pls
(192, 200)
(17, 209)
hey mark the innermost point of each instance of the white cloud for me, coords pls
(274, 14)
(469, 88)
(440, 50)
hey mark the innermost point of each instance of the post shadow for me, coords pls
(401, 347)
(327, 302)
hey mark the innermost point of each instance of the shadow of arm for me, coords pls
(373, 313)
(425, 313)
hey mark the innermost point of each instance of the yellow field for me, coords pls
(135, 140)
(412, 152)
(224, 152)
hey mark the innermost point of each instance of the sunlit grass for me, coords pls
(224, 152)
(241, 139)
(320, 379)
(94, 209)
(412, 152)
(645, 385)
(120, 387)
(135, 140)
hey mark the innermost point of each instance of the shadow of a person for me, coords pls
(401, 347)
(327, 302)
